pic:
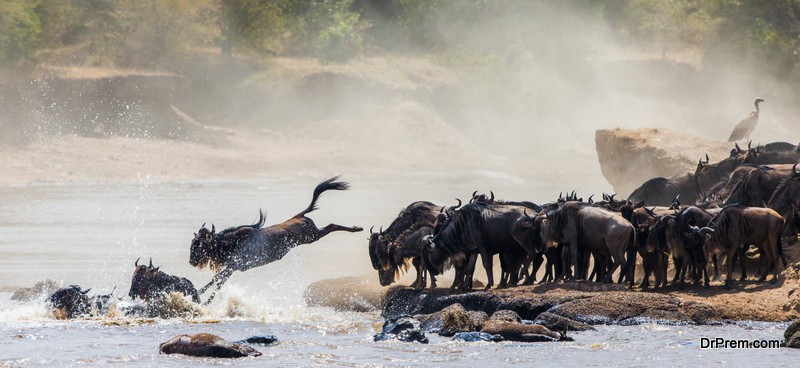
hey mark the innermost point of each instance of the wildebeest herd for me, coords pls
(746, 203)
(748, 200)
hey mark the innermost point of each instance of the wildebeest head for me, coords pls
(379, 256)
(657, 234)
(527, 230)
(203, 246)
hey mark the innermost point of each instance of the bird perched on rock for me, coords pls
(747, 125)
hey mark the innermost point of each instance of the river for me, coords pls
(91, 234)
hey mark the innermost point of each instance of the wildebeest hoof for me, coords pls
(206, 345)
(773, 281)
(358, 228)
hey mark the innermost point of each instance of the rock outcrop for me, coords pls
(357, 294)
(628, 158)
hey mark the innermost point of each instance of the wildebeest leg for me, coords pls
(219, 279)
(333, 227)
(573, 252)
(715, 262)
(536, 261)
(630, 265)
(433, 279)
(663, 264)
(487, 258)
(647, 265)
(740, 254)
(469, 271)
(419, 282)
(678, 262)
(618, 260)
(731, 255)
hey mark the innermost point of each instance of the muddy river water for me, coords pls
(91, 234)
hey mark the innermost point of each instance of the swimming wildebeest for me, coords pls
(241, 248)
(70, 302)
(149, 283)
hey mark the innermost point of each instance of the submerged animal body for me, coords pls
(206, 345)
(244, 247)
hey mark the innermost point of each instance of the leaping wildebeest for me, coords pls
(241, 248)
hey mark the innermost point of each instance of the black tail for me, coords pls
(322, 187)
(262, 218)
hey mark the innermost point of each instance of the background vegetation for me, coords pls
(157, 34)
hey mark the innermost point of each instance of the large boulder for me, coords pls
(628, 158)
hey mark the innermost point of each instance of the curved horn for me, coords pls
(84, 292)
(474, 193)
(213, 229)
(380, 230)
(151, 262)
(560, 194)
(136, 264)
(707, 159)
(491, 199)
(748, 144)
(203, 225)
(441, 210)
(611, 197)
(370, 229)
(590, 199)
(458, 205)
(738, 149)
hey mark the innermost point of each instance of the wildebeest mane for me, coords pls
(726, 224)
(409, 216)
(453, 233)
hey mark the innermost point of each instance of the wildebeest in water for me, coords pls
(149, 283)
(241, 248)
